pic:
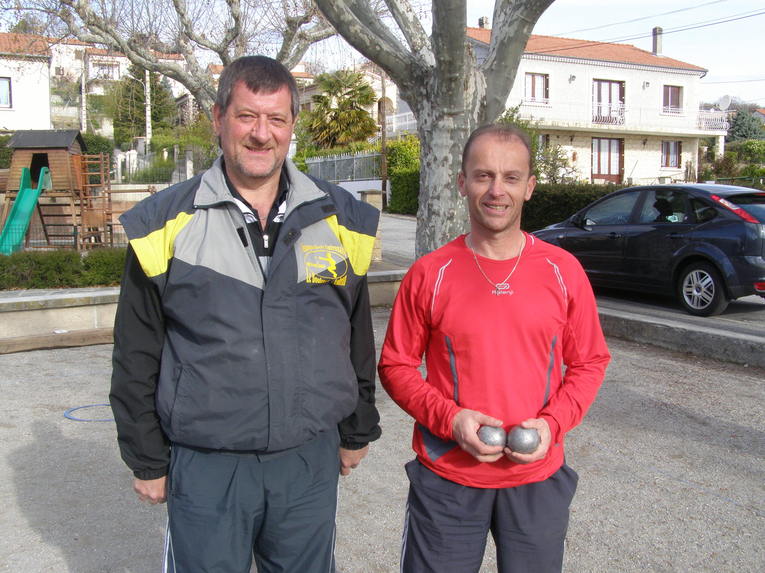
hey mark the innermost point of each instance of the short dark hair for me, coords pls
(259, 74)
(505, 131)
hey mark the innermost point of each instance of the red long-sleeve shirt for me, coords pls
(502, 355)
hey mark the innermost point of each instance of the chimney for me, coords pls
(657, 34)
(483, 22)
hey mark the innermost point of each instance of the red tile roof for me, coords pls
(589, 50)
(23, 44)
(31, 44)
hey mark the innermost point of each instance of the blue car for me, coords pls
(704, 243)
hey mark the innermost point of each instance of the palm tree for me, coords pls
(338, 116)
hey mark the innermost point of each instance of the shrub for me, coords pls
(405, 188)
(404, 154)
(103, 267)
(45, 269)
(97, 144)
(61, 269)
(552, 203)
(5, 152)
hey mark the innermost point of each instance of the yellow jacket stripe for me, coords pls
(156, 249)
(358, 245)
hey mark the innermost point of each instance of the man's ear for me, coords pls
(530, 186)
(461, 182)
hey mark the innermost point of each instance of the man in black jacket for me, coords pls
(243, 378)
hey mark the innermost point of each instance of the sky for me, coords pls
(727, 37)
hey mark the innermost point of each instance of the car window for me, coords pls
(663, 206)
(702, 211)
(614, 210)
(752, 203)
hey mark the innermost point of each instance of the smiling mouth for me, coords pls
(498, 208)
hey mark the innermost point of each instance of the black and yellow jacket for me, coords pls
(210, 353)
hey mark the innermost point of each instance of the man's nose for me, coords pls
(495, 187)
(260, 132)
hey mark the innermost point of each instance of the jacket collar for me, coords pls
(213, 189)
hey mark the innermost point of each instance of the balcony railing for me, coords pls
(400, 123)
(713, 120)
(609, 113)
(586, 115)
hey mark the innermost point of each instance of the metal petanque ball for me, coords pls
(491, 435)
(523, 440)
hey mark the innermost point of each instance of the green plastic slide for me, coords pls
(17, 223)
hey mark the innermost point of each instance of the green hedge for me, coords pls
(61, 269)
(405, 186)
(552, 203)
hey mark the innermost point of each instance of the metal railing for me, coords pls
(345, 167)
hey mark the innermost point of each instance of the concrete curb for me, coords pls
(739, 347)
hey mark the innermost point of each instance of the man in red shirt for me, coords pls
(510, 331)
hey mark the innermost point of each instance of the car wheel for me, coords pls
(701, 291)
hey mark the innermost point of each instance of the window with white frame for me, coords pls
(671, 153)
(537, 88)
(673, 99)
(5, 92)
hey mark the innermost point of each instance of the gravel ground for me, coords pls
(671, 461)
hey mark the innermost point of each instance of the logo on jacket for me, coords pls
(325, 265)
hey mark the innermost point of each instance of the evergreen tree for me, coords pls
(130, 109)
(744, 125)
(338, 116)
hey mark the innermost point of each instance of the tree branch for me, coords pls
(392, 57)
(410, 26)
(512, 26)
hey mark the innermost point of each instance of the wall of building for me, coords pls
(30, 94)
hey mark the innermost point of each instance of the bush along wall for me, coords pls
(61, 269)
(405, 187)
(551, 202)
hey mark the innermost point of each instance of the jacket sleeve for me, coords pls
(138, 338)
(585, 355)
(405, 343)
(362, 427)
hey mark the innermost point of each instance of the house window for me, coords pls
(106, 71)
(537, 88)
(607, 159)
(608, 102)
(5, 92)
(671, 153)
(673, 99)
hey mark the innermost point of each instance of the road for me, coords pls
(671, 461)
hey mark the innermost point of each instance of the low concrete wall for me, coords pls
(78, 317)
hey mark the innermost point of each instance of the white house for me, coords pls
(619, 113)
(24, 83)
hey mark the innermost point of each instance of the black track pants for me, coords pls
(447, 524)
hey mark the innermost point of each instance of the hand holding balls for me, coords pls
(520, 440)
(491, 435)
(523, 440)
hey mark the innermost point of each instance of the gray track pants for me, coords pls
(225, 507)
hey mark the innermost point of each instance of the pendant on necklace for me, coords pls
(502, 288)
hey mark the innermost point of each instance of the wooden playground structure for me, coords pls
(75, 210)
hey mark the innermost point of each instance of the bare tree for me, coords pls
(448, 91)
(202, 31)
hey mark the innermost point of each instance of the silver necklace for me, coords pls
(503, 287)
